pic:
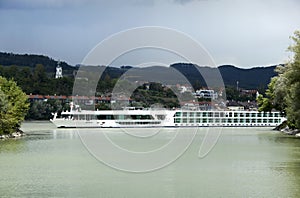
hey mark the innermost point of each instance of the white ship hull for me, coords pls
(166, 118)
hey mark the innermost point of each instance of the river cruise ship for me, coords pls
(132, 117)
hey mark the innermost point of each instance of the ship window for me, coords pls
(235, 120)
(159, 117)
(210, 114)
(235, 114)
(258, 114)
(66, 116)
(184, 114)
(270, 120)
(191, 120)
(121, 117)
(253, 120)
(229, 120)
(217, 114)
(258, 120)
(184, 120)
(230, 114)
(247, 114)
(204, 114)
(198, 120)
(223, 120)
(137, 117)
(253, 115)
(191, 114)
(210, 120)
(276, 120)
(198, 114)
(241, 115)
(205, 120)
(177, 114)
(265, 114)
(222, 114)
(177, 120)
(276, 115)
(264, 120)
(108, 117)
(105, 117)
(92, 117)
(217, 120)
(270, 114)
(241, 120)
(247, 120)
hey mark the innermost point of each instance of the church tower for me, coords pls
(58, 73)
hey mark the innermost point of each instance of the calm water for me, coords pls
(246, 162)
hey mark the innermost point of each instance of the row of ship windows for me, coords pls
(223, 114)
(111, 117)
(139, 123)
(222, 124)
(224, 120)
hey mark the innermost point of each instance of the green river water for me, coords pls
(245, 162)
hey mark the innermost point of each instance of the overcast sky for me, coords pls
(244, 33)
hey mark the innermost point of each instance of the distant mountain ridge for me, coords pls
(252, 78)
(31, 60)
(247, 78)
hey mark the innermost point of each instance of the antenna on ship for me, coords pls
(58, 73)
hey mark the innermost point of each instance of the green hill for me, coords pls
(30, 60)
(252, 78)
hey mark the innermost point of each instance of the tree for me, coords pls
(268, 103)
(291, 76)
(40, 80)
(232, 93)
(13, 106)
(42, 110)
(283, 92)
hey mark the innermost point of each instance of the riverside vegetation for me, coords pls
(283, 91)
(13, 107)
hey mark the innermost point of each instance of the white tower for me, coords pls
(58, 73)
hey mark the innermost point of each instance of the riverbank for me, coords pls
(285, 129)
(17, 134)
(26, 127)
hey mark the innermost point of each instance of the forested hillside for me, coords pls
(35, 74)
(30, 61)
(253, 78)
